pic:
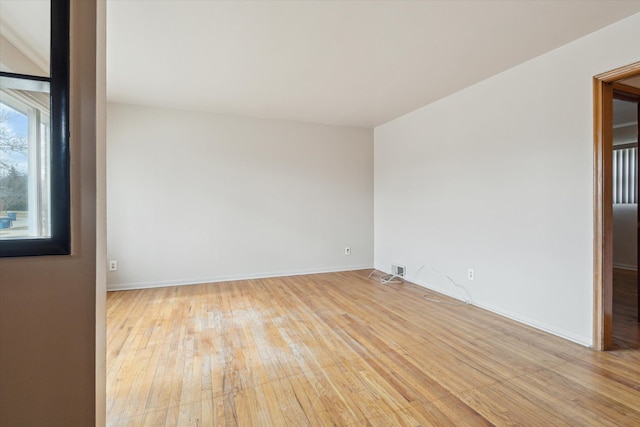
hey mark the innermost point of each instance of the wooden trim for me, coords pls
(603, 93)
(619, 73)
(603, 216)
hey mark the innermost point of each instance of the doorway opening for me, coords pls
(622, 84)
(626, 110)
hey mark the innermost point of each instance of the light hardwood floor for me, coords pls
(340, 349)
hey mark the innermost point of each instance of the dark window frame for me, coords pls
(60, 241)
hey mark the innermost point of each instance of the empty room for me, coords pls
(316, 213)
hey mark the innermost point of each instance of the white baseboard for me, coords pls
(215, 279)
(625, 266)
(535, 323)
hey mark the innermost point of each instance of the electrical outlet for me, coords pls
(347, 251)
(471, 274)
(113, 265)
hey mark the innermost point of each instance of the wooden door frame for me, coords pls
(603, 87)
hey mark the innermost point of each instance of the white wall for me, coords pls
(197, 197)
(498, 177)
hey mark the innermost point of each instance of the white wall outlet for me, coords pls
(347, 251)
(113, 265)
(471, 274)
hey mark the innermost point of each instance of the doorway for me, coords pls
(626, 329)
(620, 83)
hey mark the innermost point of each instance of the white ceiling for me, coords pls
(26, 25)
(359, 63)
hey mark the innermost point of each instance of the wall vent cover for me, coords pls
(398, 270)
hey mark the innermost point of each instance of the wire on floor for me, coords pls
(466, 297)
(387, 278)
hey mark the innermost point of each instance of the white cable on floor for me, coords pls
(467, 299)
(386, 278)
(389, 278)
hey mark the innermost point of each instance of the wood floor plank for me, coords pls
(586, 406)
(342, 349)
(504, 406)
(449, 411)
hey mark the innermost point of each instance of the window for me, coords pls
(34, 155)
(24, 164)
(625, 175)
